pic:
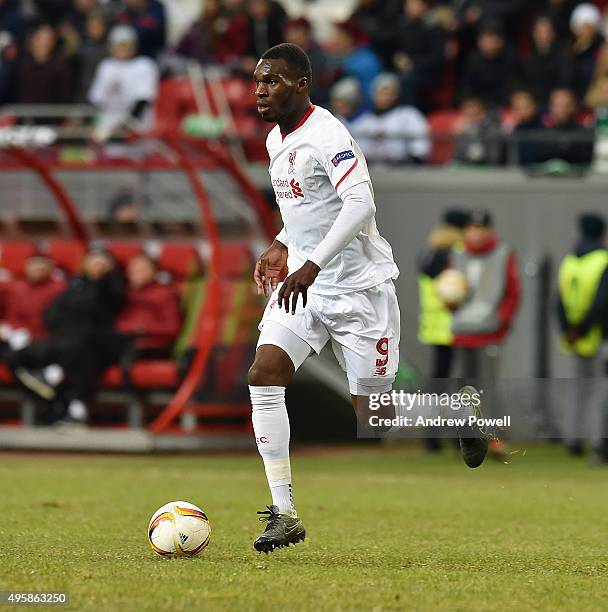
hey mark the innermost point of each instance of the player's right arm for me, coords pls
(269, 268)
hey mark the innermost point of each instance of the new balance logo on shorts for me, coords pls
(340, 157)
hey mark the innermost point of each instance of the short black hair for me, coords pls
(295, 57)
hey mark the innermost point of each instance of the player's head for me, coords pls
(282, 77)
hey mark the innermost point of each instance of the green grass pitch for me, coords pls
(388, 529)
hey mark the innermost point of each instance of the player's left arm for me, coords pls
(358, 207)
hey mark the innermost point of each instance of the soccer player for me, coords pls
(340, 287)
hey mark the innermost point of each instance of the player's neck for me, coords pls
(289, 124)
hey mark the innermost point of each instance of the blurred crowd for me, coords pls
(527, 68)
(58, 333)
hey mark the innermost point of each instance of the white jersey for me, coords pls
(310, 168)
(119, 85)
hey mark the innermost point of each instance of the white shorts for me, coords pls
(363, 327)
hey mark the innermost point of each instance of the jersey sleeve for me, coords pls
(341, 159)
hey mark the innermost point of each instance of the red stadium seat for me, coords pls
(240, 94)
(180, 260)
(67, 254)
(123, 252)
(157, 374)
(13, 255)
(6, 377)
(175, 100)
(443, 125)
(247, 126)
(235, 259)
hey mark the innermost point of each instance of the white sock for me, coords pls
(271, 427)
(77, 410)
(53, 374)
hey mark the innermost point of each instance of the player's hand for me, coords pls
(297, 284)
(269, 267)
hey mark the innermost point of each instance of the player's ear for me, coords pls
(302, 84)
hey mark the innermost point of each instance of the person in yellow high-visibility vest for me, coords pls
(583, 319)
(435, 317)
(435, 320)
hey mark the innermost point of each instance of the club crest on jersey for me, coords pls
(292, 161)
(340, 157)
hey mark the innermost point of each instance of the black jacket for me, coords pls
(544, 70)
(488, 78)
(424, 43)
(569, 142)
(86, 306)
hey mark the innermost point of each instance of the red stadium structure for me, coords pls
(216, 271)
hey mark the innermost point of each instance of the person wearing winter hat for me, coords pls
(345, 99)
(585, 24)
(391, 132)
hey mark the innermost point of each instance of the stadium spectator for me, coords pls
(475, 12)
(543, 69)
(123, 214)
(299, 32)
(147, 18)
(377, 19)
(12, 19)
(92, 50)
(435, 316)
(9, 56)
(600, 75)
(345, 100)
(485, 318)
(479, 139)
(124, 87)
(81, 342)
(527, 123)
(25, 302)
(391, 133)
(489, 68)
(78, 16)
(265, 27)
(45, 77)
(214, 38)
(418, 51)
(560, 11)
(435, 319)
(151, 313)
(567, 139)
(582, 314)
(588, 43)
(353, 57)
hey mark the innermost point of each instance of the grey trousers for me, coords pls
(586, 414)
